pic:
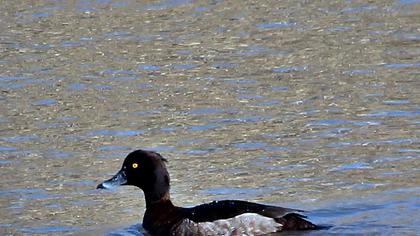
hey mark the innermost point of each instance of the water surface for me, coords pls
(312, 105)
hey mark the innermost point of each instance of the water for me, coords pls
(312, 105)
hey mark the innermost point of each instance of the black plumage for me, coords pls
(147, 170)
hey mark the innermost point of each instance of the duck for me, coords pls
(147, 171)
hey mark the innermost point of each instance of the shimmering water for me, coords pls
(305, 104)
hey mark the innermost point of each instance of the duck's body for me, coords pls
(147, 170)
(228, 217)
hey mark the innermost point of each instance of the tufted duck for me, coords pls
(147, 170)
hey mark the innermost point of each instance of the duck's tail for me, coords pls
(294, 221)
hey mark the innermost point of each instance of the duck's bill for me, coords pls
(119, 179)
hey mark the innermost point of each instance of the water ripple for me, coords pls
(148, 67)
(352, 166)
(250, 145)
(392, 113)
(20, 138)
(44, 102)
(288, 69)
(277, 24)
(107, 132)
(401, 65)
(49, 229)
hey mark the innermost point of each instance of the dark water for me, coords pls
(305, 104)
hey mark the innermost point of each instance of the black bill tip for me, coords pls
(119, 179)
(100, 186)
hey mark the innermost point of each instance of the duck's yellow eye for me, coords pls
(135, 165)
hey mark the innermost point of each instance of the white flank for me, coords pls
(245, 224)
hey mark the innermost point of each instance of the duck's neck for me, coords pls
(157, 191)
(154, 197)
(160, 213)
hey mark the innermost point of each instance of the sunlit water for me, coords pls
(305, 104)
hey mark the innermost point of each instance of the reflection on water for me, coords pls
(312, 106)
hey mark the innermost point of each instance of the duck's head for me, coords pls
(144, 169)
